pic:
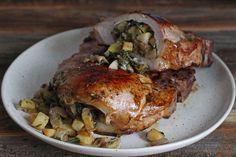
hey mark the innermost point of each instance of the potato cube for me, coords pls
(27, 104)
(61, 134)
(40, 121)
(77, 125)
(85, 137)
(49, 132)
(69, 129)
(127, 46)
(88, 119)
(154, 135)
(144, 37)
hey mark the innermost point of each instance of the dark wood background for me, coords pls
(26, 22)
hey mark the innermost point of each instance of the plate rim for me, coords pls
(120, 151)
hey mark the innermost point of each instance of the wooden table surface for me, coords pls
(23, 24)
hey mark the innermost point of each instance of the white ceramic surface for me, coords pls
(197, 117)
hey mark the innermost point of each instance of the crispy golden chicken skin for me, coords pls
(130, 102)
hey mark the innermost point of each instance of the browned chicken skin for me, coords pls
(129, 101)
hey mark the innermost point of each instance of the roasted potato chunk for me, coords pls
(85, 137)
(40, 121)
(154, 135)
(77, 124)
(27, 104)
(88, 119)
(49, 132)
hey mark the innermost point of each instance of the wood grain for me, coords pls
(197, 16)
(23, 23)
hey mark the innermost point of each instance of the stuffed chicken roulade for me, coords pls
(155, 41)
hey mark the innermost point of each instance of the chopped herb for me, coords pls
(73, 140)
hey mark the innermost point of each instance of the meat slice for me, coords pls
(175, 49)
(130, 102)
(182, 80)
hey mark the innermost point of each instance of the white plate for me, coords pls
(197, 117)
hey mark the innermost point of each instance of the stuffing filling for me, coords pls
(132, 39)
(136, 37)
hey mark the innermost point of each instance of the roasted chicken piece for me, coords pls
(173, 49)
(129, 102)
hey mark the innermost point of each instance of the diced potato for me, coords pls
(144, 37)
(27, 104)
(49, 132)
(106, 142)
(85, 137)
(127, 46)
(64, 132)
(114, 65)
(154, 135)
(77, 125)
(88, 119)
(61, 134)
(115, 47)
(55, 120)
(159, 142)
(40, 121)
(69, 129)
(32, 117)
